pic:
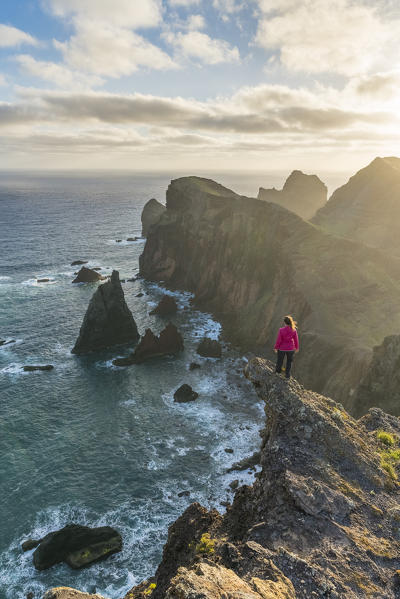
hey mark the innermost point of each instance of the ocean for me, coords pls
(90, 443)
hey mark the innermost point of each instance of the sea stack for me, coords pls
(169, 342)
(108, 320)
(302, 194)
(152, 212)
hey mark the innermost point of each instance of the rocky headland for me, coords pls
(367, 208)
(302, 194)
(108, 320)
(250, 262)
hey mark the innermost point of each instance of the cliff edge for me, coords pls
(251, 262)
(321, 520)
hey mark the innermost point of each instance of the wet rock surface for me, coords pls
(209, 348)
(33, 368)
(108, 320)
(78, 546)
(169, 342)
(185, 394)
(88, 275)
(166, 306)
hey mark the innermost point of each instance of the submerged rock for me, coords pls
(194, 366)
(39, 367)
(166, 306)
(108, 320)
(169, 341)
(151, 214)
(6, 342)
(88, 275)
(209, 348)
(43, 280)
(76, 545)
(185, 394)
(78, 262)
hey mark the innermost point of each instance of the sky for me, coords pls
(199, 84)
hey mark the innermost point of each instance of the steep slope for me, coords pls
(321, 520)
(251, 262)
(302, 194)
(367, 208)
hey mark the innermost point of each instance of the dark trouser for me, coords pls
(289, 360)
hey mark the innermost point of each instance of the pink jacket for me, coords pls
(287, 339)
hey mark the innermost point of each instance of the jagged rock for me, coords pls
(321, 519)
(151, 214)
(78, 262)
(194, 366)
(166, 306)
(170, 341)
(78, 546)
(185, 394)
(30, 544)
(381, 383)
(88, 275)
(209, 348)
(246, 463)
(6, 342)
(210, 241)
(367, 207)
(108, 320)
(303, 194)
(68, 593)
(33, 368)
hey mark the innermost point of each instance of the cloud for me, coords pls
(10, 36)
(202, 47)
(228, 6)
(122, 13)
(2, 80)
(379, 85)
(58, 74)
(183, 2)
(317, 36)
(111, 51)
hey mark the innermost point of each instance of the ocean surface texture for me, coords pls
(87, 442)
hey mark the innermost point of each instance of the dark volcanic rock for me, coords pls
(302, 194)
(321, 519)
(87, 275)
(33, 368)
(184, 394)
(152, 212)
(6, 342)
(166, 306)
(209, 348)
(108, 320)
(246, 463)
(78, 546)
(194, 366)
(78, 262)
(30, 544)
(170, 341)
(42, 280)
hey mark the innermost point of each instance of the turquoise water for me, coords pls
(87, 442)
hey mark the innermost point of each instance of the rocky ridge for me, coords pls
(250, 262)
(108, 320)
(321, 520)
(367, 208)
(302, 194)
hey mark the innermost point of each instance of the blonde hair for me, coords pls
(290, 321)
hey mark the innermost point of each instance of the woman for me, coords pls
(287, 343)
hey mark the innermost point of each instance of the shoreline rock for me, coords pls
(108, 320)
(185, 394)
(30, 368)
(169, 342)
(209, 348)
(165, 307)
(88, 275)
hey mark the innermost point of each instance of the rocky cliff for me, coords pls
(302, 194)
(321, 520)
(108, 320)
(151, 214)
(367, 208)
(251, 262)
